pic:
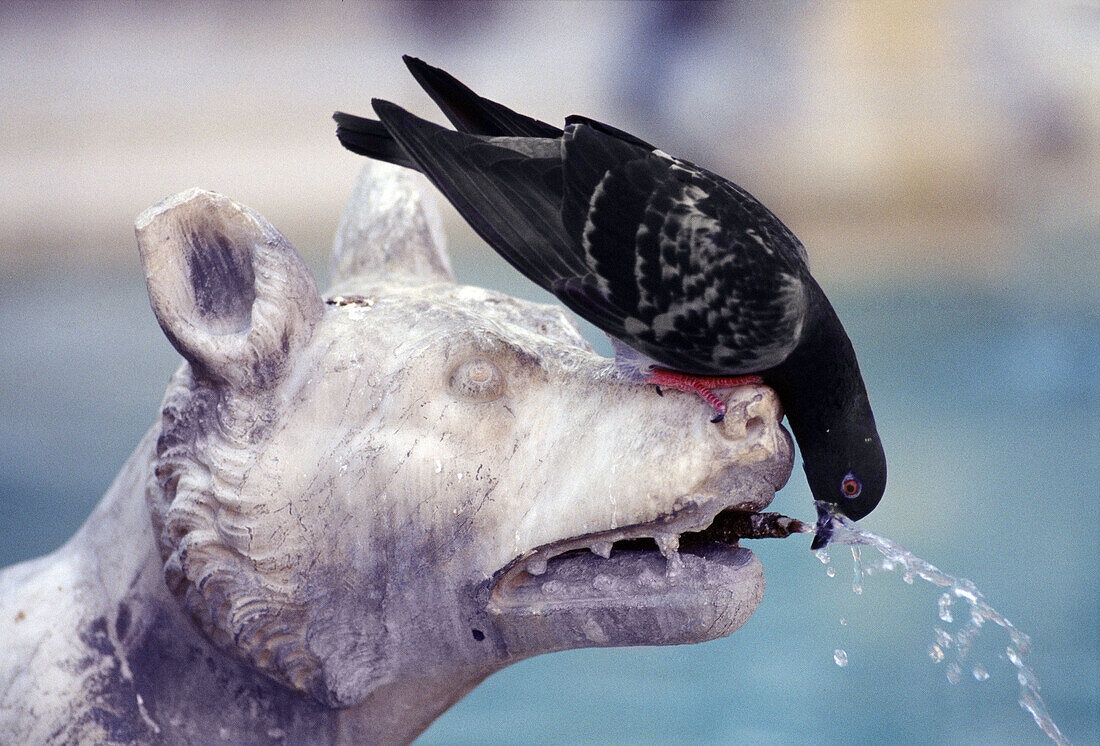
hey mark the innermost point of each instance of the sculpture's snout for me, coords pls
(752, 412)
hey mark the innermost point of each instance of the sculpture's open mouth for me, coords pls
(671, 570)
(679, 577)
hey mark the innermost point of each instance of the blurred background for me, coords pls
(940, 160)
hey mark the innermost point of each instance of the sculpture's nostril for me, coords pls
(754, 428)
(741, 426)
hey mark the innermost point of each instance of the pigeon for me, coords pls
(698, 285)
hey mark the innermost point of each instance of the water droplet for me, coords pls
(841, 657)
(976, 617)
(954, 673)
(945, 608)
(843, 622)
(935, 652)
(830, 571)
(908, 577)
(943, 638)
(438, 466)
(823, 555)
(980, 674)
(857, 578)
(963, 638)
(1014, 656)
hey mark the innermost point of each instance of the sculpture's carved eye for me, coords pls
(477, 379)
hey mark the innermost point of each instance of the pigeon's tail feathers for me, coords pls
(472, 113)
(510, 196)
(370, 137)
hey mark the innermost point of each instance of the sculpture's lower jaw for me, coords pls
(634, 597)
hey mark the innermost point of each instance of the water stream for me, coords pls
(953, 647)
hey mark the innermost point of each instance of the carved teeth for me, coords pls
(537, 564)
(669, 544)
(602, 548)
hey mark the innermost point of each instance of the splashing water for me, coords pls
(945, 608)
(980, 612)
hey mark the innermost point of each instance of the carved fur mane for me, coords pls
(227, 555)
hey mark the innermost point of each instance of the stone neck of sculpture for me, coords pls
(174, 677)
(398, 712)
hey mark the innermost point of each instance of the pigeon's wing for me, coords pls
(472, 113)
(607, 129)
(769, 228)
(508, 189)
(675, 262)
(694, 272)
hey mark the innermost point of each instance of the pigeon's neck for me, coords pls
(819, 383)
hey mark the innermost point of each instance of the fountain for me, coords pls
(955, 646)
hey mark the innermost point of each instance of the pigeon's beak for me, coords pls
(824, 530)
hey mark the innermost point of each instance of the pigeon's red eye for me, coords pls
(851, 486)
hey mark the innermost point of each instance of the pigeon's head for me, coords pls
(847, 476)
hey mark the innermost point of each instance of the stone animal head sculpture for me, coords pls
(379, 496)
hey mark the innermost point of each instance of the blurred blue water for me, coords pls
(988, 403)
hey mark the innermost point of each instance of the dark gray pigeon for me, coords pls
(698, 285)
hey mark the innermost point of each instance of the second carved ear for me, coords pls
(390, 229)
(229, 291)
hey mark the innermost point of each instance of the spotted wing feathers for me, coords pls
(705, 279)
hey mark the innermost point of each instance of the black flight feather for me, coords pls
(469, 112)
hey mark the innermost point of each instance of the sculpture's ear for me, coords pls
(229, 291)
(390, 230)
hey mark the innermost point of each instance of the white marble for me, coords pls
(354, 509)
